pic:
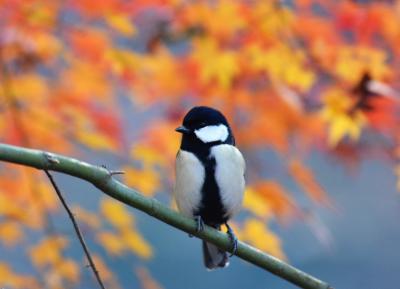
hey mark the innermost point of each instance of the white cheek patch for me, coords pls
(212, 133)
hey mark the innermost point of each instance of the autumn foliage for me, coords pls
(116, 77)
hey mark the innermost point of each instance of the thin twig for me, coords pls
(77, 230)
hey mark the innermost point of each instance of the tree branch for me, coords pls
(77, 230)
(101, 178)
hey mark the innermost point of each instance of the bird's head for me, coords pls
(207, 125)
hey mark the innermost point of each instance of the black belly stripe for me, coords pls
(211, 210)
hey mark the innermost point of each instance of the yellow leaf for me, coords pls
(282, 64)
(121, 23)
(122, 60)
(30, 87)
(41, 14)
(116, 213)
(215, 17)
(147, 181)
(257, 233)
(48, 251)
(255, 204)
(147, 155)
(95, 140)
(111, 242)
(215, 64)
(161, 67)
(135, 242)
(345, 125)
(68, 269)
(353, 61)
(271, 19)
(342, 122)
(10, 233)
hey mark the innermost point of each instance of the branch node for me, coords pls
(153, 209)
(112, 173)
(50, 158)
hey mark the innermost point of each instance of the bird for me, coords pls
(209, 183)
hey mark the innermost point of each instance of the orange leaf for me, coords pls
(146, 280)
(277, 199)
(256, 204)
(305, 178)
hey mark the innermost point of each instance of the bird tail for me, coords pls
(213, 256)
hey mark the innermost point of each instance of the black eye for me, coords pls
(201, 124)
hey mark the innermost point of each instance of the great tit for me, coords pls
(210, 181)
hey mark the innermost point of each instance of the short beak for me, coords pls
(182, 129)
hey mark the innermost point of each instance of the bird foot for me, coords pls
(199, 223)
(233, 238)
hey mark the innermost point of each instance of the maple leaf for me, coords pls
(353, 61)
(214, 63)
(337, 112)
(282, 65)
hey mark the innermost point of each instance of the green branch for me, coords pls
(102, 179)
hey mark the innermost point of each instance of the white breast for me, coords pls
(190, 176)
(229, 174)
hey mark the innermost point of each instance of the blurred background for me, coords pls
(309, 87)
